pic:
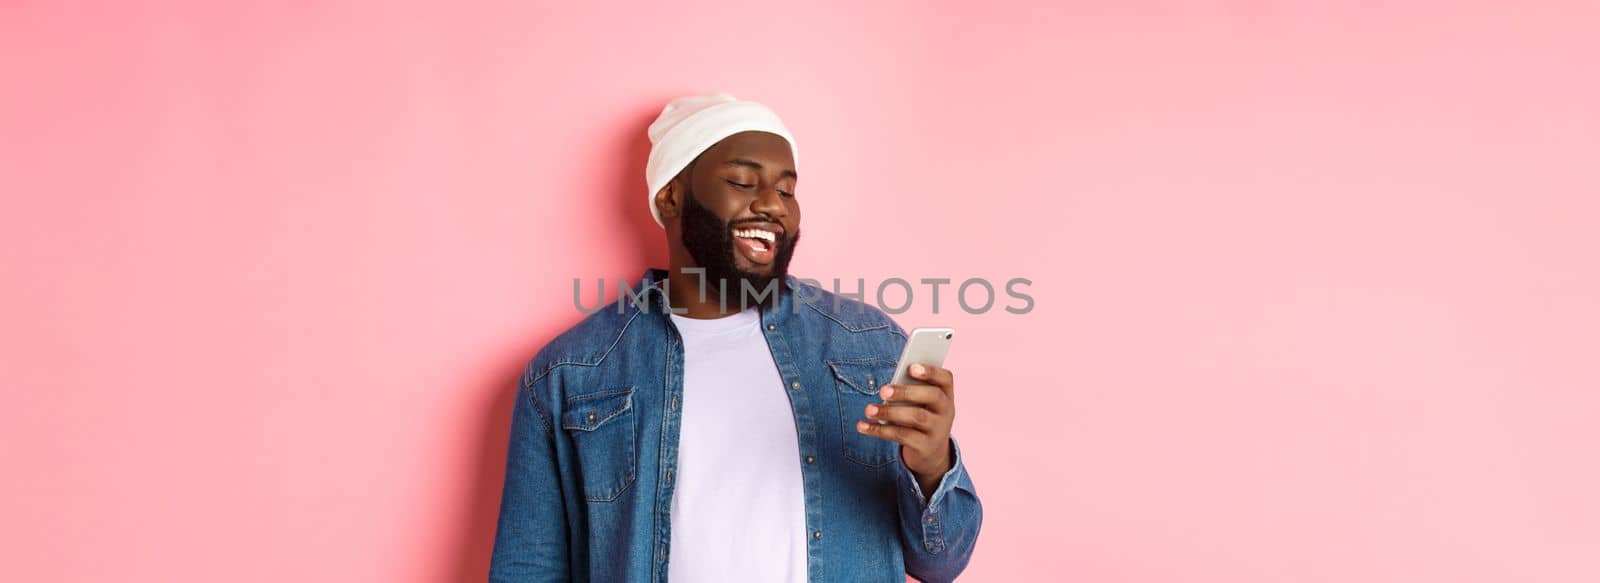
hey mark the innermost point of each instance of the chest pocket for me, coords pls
(606, 435)
(858, 381)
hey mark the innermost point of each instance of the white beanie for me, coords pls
(690, 125)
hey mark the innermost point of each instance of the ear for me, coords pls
(669, 200)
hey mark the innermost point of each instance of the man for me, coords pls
(699, 429)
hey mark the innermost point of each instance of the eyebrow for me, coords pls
(757, 166)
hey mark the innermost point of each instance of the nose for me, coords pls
(768, 202)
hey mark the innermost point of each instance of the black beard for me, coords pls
(709, 240)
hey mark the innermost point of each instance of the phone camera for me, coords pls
(947, 335)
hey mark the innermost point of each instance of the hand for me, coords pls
(921, 425)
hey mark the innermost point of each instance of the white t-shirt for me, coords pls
(738, 510)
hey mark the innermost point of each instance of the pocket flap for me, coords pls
(864, 375)
(587, 412)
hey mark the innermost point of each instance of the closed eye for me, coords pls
(747, 186)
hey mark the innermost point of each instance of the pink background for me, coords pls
(1316, 288)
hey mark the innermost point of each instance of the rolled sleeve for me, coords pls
(939, 531)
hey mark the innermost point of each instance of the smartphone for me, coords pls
(925, 346)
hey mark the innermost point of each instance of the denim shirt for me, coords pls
(594, 441)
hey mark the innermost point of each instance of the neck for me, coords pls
(684, 291)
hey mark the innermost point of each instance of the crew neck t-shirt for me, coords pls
(738, 507)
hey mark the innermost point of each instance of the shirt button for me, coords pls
(795, 385)
(591, 417)
(669, 481)
(772, 326)
(811, 459)
(816, 534)
(930, 520)
(674, 404)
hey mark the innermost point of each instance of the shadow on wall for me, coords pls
(629, 213)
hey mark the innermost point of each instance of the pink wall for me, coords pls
(1316, 287)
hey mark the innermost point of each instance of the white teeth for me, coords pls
(767, 236)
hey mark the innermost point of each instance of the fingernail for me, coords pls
(886, 392)
(861, 426)
(872, 410)
(918, 369)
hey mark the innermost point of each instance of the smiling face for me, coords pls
(733, 211)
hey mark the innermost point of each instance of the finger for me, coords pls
(906, 436)
(926, 395)
(904, 415)
(937, 376)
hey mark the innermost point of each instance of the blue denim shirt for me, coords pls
(594, 441)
